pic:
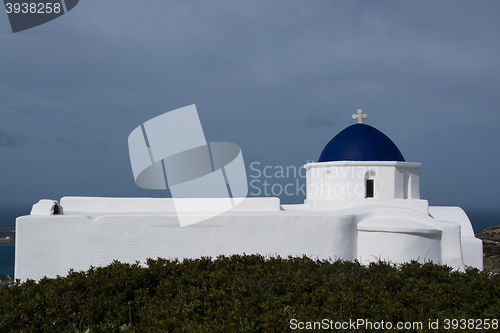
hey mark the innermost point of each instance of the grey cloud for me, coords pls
(69, 144)
(8, 139)
(421, 70)
(74, 175)
(318, 120)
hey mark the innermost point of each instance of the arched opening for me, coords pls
(370, 184)
(406, 186)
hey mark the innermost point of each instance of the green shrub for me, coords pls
(244, 294)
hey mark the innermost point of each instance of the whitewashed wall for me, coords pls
(93, 232)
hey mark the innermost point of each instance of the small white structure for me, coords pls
(363, 202)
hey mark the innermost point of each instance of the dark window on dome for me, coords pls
(369, 188)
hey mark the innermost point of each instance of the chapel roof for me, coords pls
(361, 142)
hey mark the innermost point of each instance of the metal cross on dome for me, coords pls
(360, 115)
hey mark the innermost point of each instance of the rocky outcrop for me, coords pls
(491, 247)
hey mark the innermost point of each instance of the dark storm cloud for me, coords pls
(9, 139)
(279, 78)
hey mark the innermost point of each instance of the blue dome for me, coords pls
(361, 142)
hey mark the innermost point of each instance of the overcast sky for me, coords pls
(280, 78)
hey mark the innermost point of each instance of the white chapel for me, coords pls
(362, 203)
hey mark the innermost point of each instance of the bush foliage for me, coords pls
(244, 294)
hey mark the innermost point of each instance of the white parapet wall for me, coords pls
(51, 245)
(159, 205)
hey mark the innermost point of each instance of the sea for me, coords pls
(8, 216)
(7, 258)
(480, 220)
